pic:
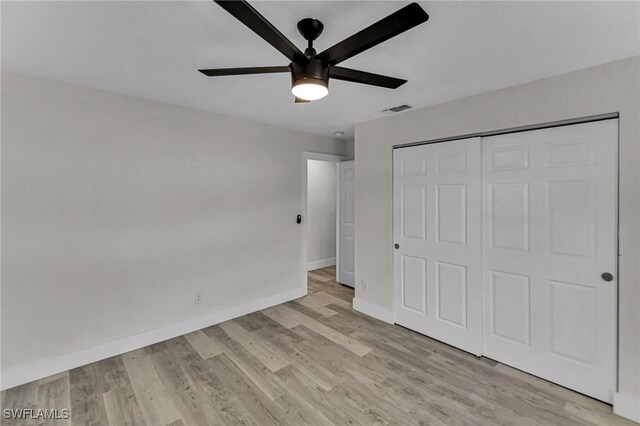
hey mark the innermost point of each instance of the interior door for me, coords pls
(346, 227)
(437, 260)
(549, 206)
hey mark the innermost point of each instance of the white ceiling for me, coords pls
(152, 50)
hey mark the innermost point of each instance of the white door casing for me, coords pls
(550, 231)
(437, 227)
(346, 227)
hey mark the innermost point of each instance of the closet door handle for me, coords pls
(607, 276)
(397, 246)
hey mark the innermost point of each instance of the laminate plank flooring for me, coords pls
(312, 361)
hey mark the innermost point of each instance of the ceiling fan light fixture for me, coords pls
(310, 71)
(310, 89)
(309, 81)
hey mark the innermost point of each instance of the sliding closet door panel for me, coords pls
(437, 231)
(549, 233)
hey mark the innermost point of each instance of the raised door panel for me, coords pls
(348, 205)
(348, 248)
(451, 163)
(509, 216)
(414, 284)
(413, 211)
(572, 218)
(506, 158)
(451, 226)
(572, 315)
(413, 166)
(571, 153)
(510, 307)
(452, 293)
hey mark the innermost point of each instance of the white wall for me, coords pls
(116, 210)
(613, 87)
(321, 213)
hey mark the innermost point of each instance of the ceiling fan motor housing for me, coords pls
(313, 72)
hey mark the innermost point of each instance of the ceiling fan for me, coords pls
(311, 71)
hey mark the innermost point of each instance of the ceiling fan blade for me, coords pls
(394, 24)
(246, 14)
(301, 101)
(240, 71)
(363, 77)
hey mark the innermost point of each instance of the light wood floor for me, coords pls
(312, 361)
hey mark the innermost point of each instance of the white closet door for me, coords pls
(346, 228)
(437, 231)
(549, 226)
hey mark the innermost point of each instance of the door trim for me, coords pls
(304, 156)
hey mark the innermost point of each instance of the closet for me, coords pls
(506, 246)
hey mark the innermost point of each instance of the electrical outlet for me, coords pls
(364, 285)
(197, 297)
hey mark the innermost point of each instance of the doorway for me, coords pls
(320, 212)
(322, 200)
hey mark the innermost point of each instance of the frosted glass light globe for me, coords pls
(309, 91)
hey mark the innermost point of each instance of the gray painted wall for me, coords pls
(613, 87)
(349, 146)
(116, 210)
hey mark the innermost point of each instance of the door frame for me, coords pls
(308, 155)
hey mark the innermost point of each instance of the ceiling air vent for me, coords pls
(398, 108)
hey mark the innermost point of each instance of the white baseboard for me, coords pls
(38, 370)
(321, 264)
(627, 406)
(372, 310)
